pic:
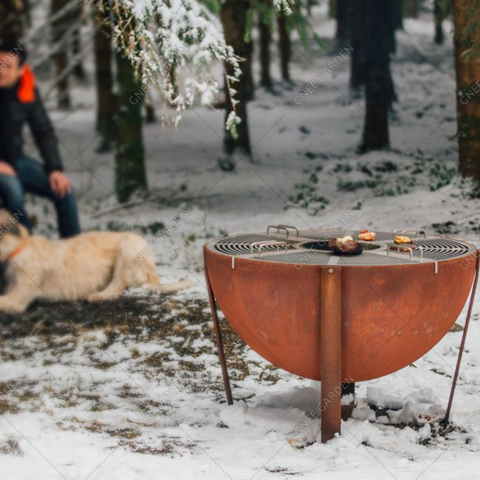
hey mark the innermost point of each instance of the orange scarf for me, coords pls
(26, 89)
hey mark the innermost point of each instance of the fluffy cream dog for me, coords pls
(94, 266)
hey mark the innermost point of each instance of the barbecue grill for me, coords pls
(338, 318)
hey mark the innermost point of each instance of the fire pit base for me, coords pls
(320, 317)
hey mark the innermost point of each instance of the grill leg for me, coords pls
(331, 350)
(464, 338)
(218, 335)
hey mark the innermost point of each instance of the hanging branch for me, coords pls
(158, 36)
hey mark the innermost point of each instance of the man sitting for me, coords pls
(20, 103)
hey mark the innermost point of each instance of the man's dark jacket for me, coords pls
(14, 114)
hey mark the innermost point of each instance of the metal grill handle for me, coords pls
(402, 231)
(269, 243)
(403, 247)
(285, 228)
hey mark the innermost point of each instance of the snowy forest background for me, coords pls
(326, 112)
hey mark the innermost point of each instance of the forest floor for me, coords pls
(132, 388)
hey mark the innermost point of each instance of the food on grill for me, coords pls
(367, 236)
(345, 246)
(402, 239)
(401, 249)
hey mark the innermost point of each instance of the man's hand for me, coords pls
(59, 183)
(7, 169)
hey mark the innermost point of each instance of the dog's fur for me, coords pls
(94, 266)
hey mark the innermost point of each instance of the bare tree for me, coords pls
(130, 173)
(440, 10)
(77, 19)
(344, 18)
(265, 33)
(13, 17)
(378, 26)
(60, 42)
(410, 8)
(357, 58)
(284, 45)
(104, 80)
(234, 20)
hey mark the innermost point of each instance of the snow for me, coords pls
(92, 406)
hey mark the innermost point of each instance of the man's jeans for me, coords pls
(32, 178)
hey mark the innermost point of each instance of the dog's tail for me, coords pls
(170, 287)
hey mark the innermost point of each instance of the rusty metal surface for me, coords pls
(392, 315)
(331, 350)
(218, 336)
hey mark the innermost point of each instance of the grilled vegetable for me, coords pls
(402, 239)
(367, 236)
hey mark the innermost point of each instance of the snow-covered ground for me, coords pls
(134, 391)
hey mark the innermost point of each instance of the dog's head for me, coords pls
(12, 233)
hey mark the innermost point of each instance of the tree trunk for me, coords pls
(265, 39)
(378, 26)
(468, 86)
(357, 58)
(130, 174)
(410, 8)
(398, 15)
(309, 7)
(78, 69)
(59, 28)
(284, 45)
(150, 116)
(13, 15)
(332, 8)
(248, 69)
(104, 83)
(344, 15)
(234, 19)
(439, 10)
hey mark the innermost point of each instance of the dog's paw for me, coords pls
(95, 297)
(11, 307)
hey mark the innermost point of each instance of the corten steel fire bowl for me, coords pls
(387, 307)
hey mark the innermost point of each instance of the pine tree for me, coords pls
(467, 47)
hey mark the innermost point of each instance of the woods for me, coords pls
(251, 30)
(220, 218)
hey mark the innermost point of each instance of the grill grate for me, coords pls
(441, 248)
(241, 245)
(433, 249)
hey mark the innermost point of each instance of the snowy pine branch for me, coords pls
(169, 40)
